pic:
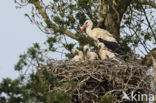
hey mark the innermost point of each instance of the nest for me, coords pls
(95, 79)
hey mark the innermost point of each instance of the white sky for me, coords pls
(16, 35)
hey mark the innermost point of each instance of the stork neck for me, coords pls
(86, 52)
(80, 53)
(89, 30)
(104, 48)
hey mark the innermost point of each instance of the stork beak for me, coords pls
(84, 27)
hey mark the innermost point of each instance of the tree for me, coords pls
(131, 22)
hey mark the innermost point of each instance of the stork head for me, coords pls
(96, 42)
(76, 51)
(101, 45)
(85, 49)
(86, 24)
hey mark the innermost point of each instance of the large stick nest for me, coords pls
(98, 78)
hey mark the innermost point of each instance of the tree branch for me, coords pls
(43, 13)
(102, 10)
(149, 24)
(150, 3)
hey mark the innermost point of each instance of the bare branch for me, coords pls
(145, 2)
(149, 24)
(43, 13)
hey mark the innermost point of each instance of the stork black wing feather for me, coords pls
(115, 47)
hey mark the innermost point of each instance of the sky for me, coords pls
(17, 34)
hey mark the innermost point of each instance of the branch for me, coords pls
(117, 14)
(101, 11)
(144, 2)
(147, 61)
(43, 13)
(149, 24)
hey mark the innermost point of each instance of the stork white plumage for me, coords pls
(97, 32)
(88, 54)
(79, 55)
(103, 36)
(104, 53)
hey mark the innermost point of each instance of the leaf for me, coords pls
(106, 99)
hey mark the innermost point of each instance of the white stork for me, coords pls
(79, 55)
(104, 53)
(88, 54)
(101, 35)
(97, 32)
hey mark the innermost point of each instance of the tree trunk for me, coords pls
(154, 68)
(112, 15)
(111, 24)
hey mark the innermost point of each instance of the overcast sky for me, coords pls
(16, 35)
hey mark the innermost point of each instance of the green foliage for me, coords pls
(33, 54)
(31, 1)
(81, 16)
(83, 3)
(50, 41)
(148, 36)
(21, 63)
(58, 97)
(34, 91)
(12, 89)
(56, 0)
(138, 6)
(69, 47)
(106, 99)
(83, 40)
(70, 55)
(49, 77)
(119, 0)
(58, 20)
(73, 84)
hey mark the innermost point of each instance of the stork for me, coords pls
(115, 47)
(79, 55)
(97, 32)
(102, 35)
(88, 54)
(104, 53)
